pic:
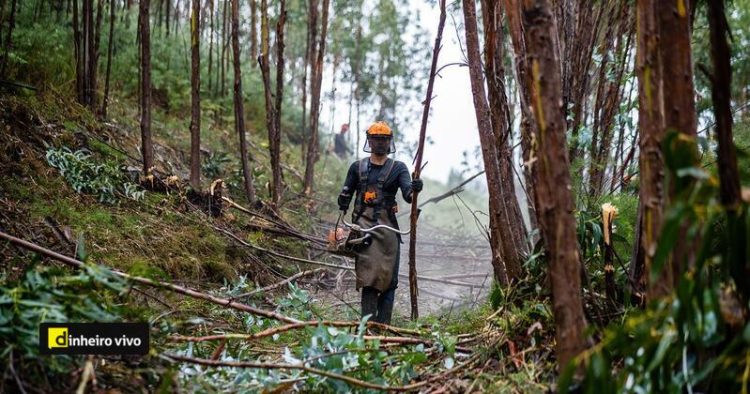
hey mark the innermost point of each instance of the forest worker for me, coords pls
(340, 145)
(376, 180)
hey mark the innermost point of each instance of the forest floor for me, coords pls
(459, 344)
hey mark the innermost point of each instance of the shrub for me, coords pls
(84, 175)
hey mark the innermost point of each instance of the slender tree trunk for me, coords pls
(721, 97)
(276, 146)
(224, 44)
(358, 89)
(3, 3)
(273, 108)
(553, 197)
(512, 238)
(316, 75)
(167, 8)
(159, 15)
(312, 29)
(729, 176)
(95, 55)
(147, 147)
(211, 34)
(487, 141)
(88, 53)
(85, 51)
(239, 108)
(195, 102)
(9, 35)
(110, 48)
(78, 53)
(253, 29)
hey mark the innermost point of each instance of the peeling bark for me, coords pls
(554, 200)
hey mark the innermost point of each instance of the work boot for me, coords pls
(385, 306)
(370, 302)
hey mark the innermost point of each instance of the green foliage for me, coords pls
(53, 295)
(30, 39)
(213, 166)
(86, 176)
(696, 339)
(330, 349)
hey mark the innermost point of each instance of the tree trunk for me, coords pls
(489, 149)
(651, 160)
(3, 3)
(167, 8)
(211, 34)
(273, 108)
(729, 177)
(679, 109)
(413, 287)
(721, 97)
(78, 53)
(95, 54)
(358, 90)
(489, 142)
(253, 29)
(195, 102)
(9, 35)
(554, 201)
(88, 54)
(147, 147)
(222, 58)
(110, 48)
(512, 238)
(312, 29)
(277, 181)
(515, 28)
(239, 108)
(316, 74)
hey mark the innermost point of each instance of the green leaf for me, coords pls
(81, 247)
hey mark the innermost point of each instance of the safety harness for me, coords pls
(366, 195)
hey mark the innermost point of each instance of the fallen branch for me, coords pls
(163, 285)
(281, 226)
(445, 281)
(279, 284)
(283, 256)
(280, 329)
(315, 371)
(288, 327)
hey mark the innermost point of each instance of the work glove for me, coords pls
(344, 200)
(416, 185)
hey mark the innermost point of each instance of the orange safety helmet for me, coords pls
(380, 128)
(379, 131)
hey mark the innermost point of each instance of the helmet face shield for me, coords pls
(379, 145)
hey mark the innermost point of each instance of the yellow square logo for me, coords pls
(57, 337)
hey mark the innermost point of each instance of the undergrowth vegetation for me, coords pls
(695, 339)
